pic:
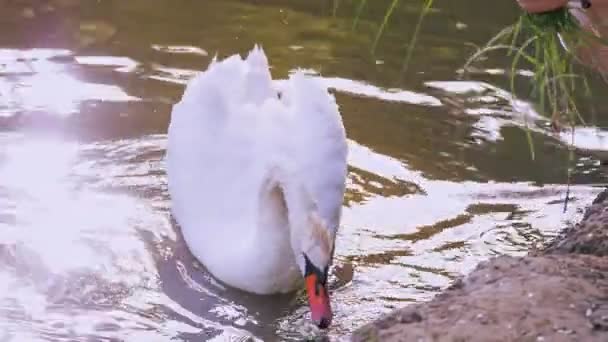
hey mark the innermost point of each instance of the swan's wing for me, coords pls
(212, 154)
(231, 128)
(320, 144)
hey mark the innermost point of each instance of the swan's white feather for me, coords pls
(228, 134)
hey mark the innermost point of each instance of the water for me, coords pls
(440, 175)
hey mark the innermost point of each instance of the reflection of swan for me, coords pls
(257, 177)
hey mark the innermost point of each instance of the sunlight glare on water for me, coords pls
(36, 83)
(74, 250)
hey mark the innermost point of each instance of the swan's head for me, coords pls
(314, 251)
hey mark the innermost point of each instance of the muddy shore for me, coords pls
(559, 293)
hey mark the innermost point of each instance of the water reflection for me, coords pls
(32, 81)
(592, 140)
(439, 176)
(120, 64)
(494, 107)
(105, 257)
(180, 49)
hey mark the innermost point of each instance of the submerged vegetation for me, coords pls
(426, 7)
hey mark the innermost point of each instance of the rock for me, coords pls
(508, 300)
(590, 236)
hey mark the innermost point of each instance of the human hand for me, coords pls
(593, 20)
(539, 6)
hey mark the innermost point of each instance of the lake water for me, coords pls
(440, 170)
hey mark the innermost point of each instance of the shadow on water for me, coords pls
(439, 172)
(206, 295)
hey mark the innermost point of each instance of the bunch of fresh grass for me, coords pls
(548, 43)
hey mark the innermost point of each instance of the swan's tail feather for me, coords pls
(258, 80)
(256, 59)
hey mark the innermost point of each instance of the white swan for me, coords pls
(257, 175)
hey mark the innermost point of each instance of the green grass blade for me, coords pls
(335, 8)
(518, 55)
(485, 50)
(358, 13)
(387, 16)
(530, 142)
(426, 7)
(516, 31)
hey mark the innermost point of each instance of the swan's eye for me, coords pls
(310, 268)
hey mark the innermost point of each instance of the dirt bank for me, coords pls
(557, 294)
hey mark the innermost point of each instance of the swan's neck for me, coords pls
(261, 255)
(273, 226)
(286, 207)
(275, 237)
(283, 211)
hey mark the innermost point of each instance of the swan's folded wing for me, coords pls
(320, 143)
(207, 155)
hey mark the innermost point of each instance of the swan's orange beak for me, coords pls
(318, 300)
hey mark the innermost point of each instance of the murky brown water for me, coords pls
(440, 175)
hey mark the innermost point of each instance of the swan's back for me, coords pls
(234, 126)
